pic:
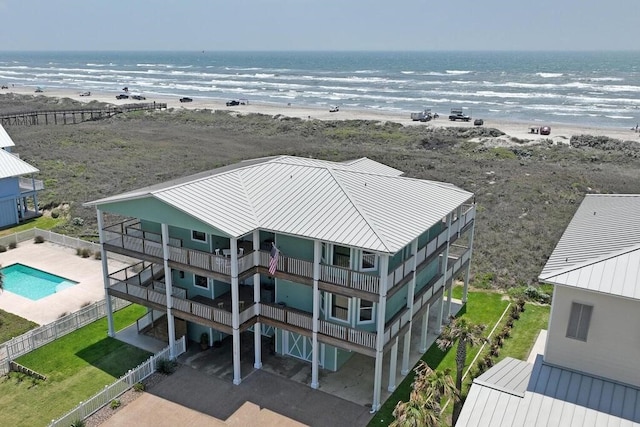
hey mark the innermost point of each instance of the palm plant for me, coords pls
(467, 334)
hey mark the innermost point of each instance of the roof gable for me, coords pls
(12, 166)
(600, 249)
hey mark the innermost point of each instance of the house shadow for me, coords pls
(112, 356)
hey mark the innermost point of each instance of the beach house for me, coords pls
(18, 187)
(590, 371)
(326, 259)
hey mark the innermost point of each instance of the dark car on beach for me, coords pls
(545, 130)
(185, 99)
(122, 96)
(232, 103)
(138, 97)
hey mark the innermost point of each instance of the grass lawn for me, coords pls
(76, 366)
(43, 223)
(13, 326)
(482, 308)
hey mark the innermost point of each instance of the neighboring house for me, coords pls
(329, 259)
(590, 373)
(18, 188)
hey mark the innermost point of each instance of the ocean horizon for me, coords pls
(599, 89)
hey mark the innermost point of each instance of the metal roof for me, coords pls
(5, 139)
(600, 249)
(553, 396)
(344, 203)
(11, 165)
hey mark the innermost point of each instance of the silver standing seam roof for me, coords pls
(5, 139)
(517, 393)
(600, 249)
(359, 203)
(11, 165)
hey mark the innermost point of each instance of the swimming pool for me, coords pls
(33, 283)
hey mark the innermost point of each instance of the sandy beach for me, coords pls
(560, 133)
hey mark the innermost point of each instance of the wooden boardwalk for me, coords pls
(72, 116)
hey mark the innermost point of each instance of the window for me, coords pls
(369, 261)
(201, 282)
(579, 321)
(340, 307)
(198, 236)
(365, 314)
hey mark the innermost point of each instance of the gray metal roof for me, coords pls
(11, 165)
(5, 139)
(553, 396)
(344, 203)
(600, 249)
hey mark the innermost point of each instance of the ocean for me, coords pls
(580, 88)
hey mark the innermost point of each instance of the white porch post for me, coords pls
(315, 355)
(235, 311)
(449, 297)
(105, 275)
(168, 281)
(257, 328)
(468, 272)
(425, 330)
(35, 194)
(445, 266)
(382, 307)
(410, 296)
(393, 365)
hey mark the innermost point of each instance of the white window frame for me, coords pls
(361, 261)
(195, 282)
(359, 312)
(194, 239)
(579, 321)
(330, 311)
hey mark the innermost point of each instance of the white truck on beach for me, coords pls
(458, 114)
(422, 116)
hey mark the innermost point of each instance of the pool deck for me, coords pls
(60, 261)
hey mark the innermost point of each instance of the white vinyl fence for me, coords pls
(111, 392)
(45, 334)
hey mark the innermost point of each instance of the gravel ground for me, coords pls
(127, 397)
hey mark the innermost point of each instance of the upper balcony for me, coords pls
(129, 239)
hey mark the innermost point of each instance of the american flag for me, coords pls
(273, 259)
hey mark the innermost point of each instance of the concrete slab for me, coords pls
(63, 262)
(538, 346)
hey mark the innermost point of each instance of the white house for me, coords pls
(590, 371)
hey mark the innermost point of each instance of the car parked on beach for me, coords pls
(39, 90)
(185, 99)
(545, 130)
(232, 103)
(85, 93)
(122, 96)
(138, 97)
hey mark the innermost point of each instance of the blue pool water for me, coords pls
(33, 283)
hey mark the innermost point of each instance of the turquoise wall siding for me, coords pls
(295, 247)
(294, 295)
(397, 302)
(426, 274)
(396, 260)
(342, 357)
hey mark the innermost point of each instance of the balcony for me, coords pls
(28, 185)
(129, 239)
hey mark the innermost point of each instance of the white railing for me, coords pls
(45, 334)
(124, 383)
(29, 184)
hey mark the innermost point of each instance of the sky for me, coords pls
(293, 25)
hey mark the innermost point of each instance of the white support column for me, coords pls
(425, 330)
(380, 318)
(449, 297)
(235, 311)
(257, 328)
(468, 272)
(393, 365)
(105, 275)
(315, 355)
(445, 266)
(406, 350)
(168, 281)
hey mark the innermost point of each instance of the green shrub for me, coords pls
(115, 404)
(55, 213)
(166, 366)
(97, 255)
(78, 423)
(77, 221)
(484, 280)
(13, 245)
(3, 248)
(38, 239)
(139, 387)
(84, 252)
